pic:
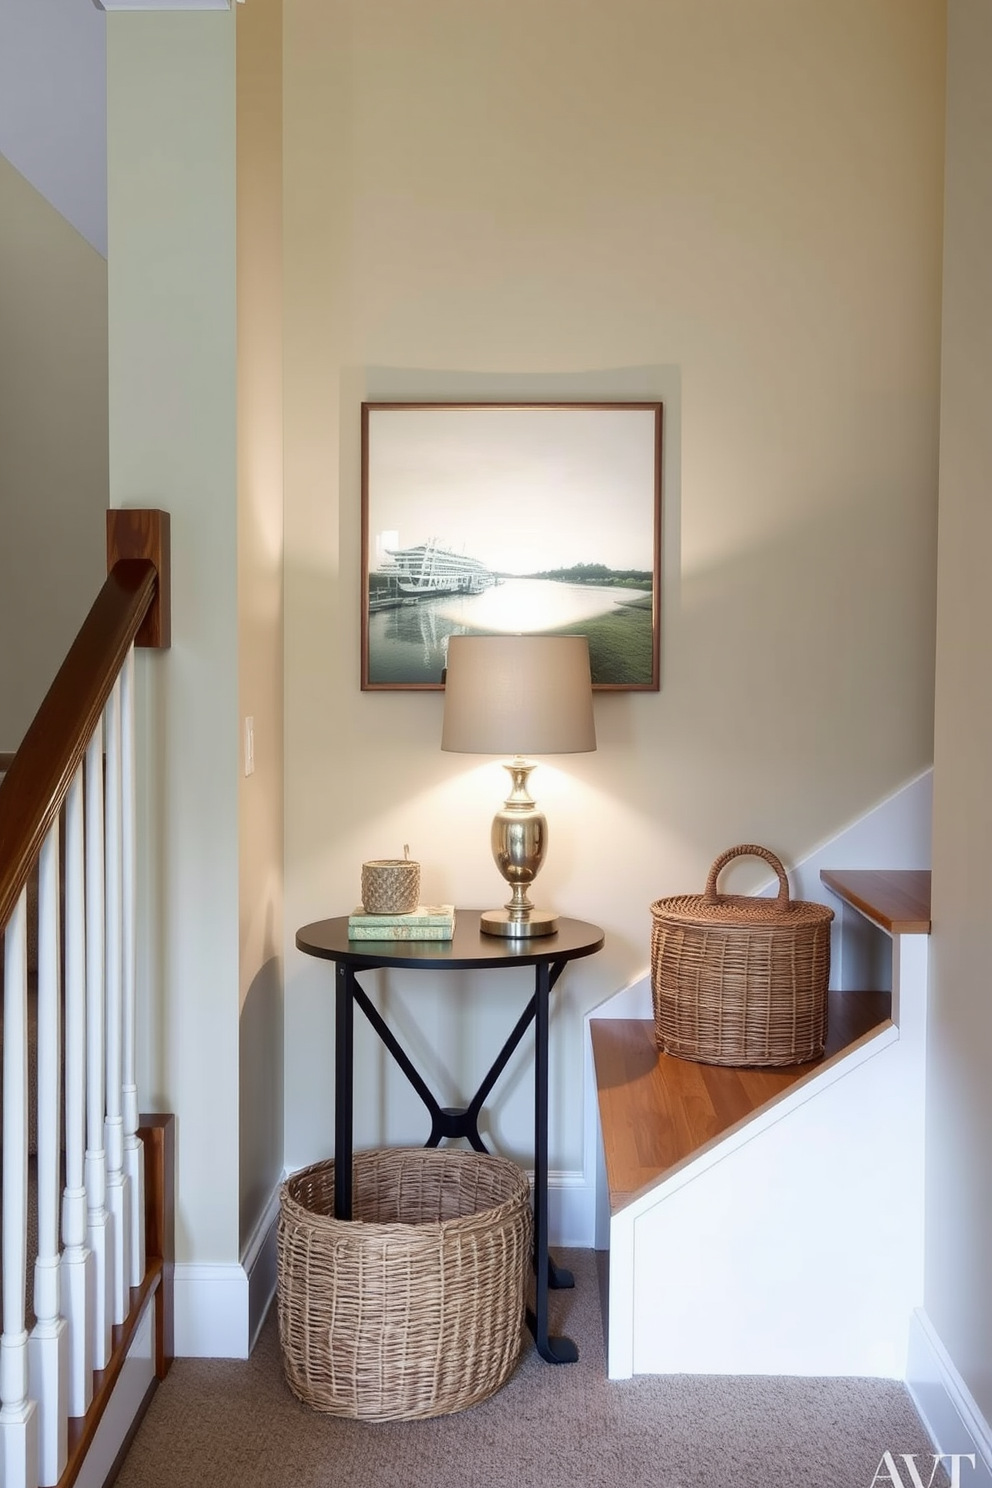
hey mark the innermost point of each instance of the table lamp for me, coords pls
(518, 695)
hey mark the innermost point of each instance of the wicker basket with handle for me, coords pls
(740, 980)
(415, 1307)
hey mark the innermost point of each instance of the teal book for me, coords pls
(401, 932)
(442, 915)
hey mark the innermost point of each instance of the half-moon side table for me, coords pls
(468, 950)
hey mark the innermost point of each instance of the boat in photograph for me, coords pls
(429, 570)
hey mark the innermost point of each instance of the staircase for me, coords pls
(771, 1221)
(86, 1302)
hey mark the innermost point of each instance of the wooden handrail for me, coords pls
(34, 787)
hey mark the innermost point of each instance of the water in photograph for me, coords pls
(408, 643)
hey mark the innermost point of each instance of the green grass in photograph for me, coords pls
(619, 643)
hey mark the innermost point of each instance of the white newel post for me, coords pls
(18, 1414)
(99, 1224)
(77, 1259)
(134, 1151)
(48, 1345)
(118, 1205)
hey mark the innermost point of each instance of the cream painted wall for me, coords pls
(958, 1295)
(172, 336)
(53, 443)
(260, 628)
(734, 208)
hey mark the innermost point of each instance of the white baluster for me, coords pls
(48, 1357)
(18, 1413)
(78, 1267)
(134, 1151)
(99, 1224)
(118, 1202)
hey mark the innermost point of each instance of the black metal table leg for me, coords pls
(344, 1038)
(446, 1121)
(469, 949)
(554, 1350)
(443, 1119)
(559, 1277)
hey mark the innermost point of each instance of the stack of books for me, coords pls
(426, 922)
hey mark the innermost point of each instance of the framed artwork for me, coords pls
(510, 517)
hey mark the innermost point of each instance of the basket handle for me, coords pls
(747, 850)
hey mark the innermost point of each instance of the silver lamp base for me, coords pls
(506, 922)
(518, 839)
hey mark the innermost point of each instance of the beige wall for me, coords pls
(172, 336)
(53, 443)
(195, 166)
(734, 208)
(959, 1100)
(260, 630)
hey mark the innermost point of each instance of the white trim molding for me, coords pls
(950, 1415)
(220, 1308)
(260, 1265)
(211, 1311)
(571, 1209)
(164, 4)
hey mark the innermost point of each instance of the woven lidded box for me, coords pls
(415, 1307)
(390, 886)
(740, 980)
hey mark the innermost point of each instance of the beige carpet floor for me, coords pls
(226, 1424)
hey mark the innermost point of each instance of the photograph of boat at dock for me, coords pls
(494, 518)
(425, 572)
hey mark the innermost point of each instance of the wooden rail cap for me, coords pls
(133, 605)
(139, 532)
(897, 899)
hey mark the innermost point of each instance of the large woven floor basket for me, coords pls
(738, 980)
(415, 1307)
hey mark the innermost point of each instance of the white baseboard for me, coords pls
(950, 1415)
(571, 1210)
(259, 1262)
(220, 1307)
(212, 1311)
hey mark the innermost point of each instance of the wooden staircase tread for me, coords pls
(657, 1111)
(897, 899)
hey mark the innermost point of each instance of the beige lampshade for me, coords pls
(518, 694)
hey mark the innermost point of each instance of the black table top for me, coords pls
(468, 949)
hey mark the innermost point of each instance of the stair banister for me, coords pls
(35, 786)
(18, 1412)
(133, 1150)
(118, 1200)
(99, 1225)
(48, 1345)
(61, 778)
(77, 1260)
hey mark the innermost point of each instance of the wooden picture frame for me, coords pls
(510, 517)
